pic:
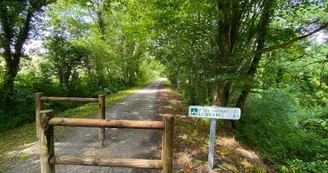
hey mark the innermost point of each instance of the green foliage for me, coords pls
(266, 113)
(33, 81)
(26, 86)
(319, 165)
(87, 50)
(214, 52)
(65, 59)
(273, 124)
(317, 125)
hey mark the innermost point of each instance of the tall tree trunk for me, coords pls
(228, 26)
(12, 65)
(262, 28)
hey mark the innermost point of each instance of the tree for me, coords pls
(117, 39)
(214, 47)
(16, 20)
(66, 57)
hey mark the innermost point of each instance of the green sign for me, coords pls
(194, 111)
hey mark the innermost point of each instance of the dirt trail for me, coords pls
(120, 143)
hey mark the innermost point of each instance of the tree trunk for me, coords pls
(12, 58)
(12, 65)
(227, 38)
(262, 28)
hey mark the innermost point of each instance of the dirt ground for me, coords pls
(191, 138)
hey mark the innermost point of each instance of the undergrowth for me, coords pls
(292, 137)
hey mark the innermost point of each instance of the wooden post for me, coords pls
(101, 115)
(38, 108)
(47, 148)
(163, 142)
(168, 144)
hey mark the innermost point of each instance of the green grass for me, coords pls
(22, 157)
(258, 169)
(16, 138)
(3, 167)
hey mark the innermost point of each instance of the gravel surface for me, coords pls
(119, 143)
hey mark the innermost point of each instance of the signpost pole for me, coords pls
(213, 112)
(212, 143)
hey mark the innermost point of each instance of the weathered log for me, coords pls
(167, 153)
(38, 108)
(78, 122)
(101, 116)
(92, 161)
(47, 147)
(69, 99)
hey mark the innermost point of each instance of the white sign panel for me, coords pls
(214, 112)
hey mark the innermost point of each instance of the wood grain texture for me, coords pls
(92, 161)
(101, 116)
(69, 99)
(47, 147)
(38, 108)
(168, 144)
(78, 122)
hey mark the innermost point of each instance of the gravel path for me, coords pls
(120, 143)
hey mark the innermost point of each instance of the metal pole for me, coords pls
(211, 145)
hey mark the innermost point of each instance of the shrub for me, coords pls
(272, 122)
(267, 120)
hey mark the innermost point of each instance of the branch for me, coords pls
(7, 32)
(323, 26)
(299, 57)
(321, 73)
(294, 77)
(216, 44)
(23, 33)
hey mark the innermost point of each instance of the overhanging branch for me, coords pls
(323, 26)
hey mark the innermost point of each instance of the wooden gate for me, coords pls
(40, 98)
(48, 159)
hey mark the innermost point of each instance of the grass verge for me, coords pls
(18, 138)
(191, 137)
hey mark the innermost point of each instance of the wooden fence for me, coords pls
(48, 159)
(40, 98)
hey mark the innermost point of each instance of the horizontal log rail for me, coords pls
(92, 161)
(48, 160)
(69, 99)
(78, 122)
